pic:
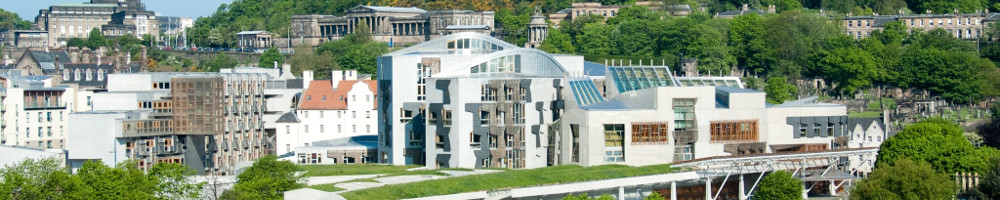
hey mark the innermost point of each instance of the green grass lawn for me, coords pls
(504, 180)
(358, 169)
(863, 114)
(889, 103)
(326, 187)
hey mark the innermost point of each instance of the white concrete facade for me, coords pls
(34, 111)
(330, 109)
(92, 136)
(469, 100)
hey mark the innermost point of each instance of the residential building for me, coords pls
(13, 155)
(43, 62)
(349, 150)
(33, 111)
(211, 122)
(469, 100)
(866, 132)
(968, 26)
(342, 107)
(395, 25)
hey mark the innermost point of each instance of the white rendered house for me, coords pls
(329, 109)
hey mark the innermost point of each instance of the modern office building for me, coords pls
(342, 107)
(395, 25)
(711, 116)
(469, 100)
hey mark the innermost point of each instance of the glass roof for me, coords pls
(585, 92)
(631, 78)
(711, 81)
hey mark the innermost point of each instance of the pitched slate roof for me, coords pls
(95, 80)
(322, 96)
(865, 122)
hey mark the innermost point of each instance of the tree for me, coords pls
(305, 58)
(654, 196)
(851, 68)
(595, 39)
(220, 61)
(270, 57)
(173, 182)
(989, 184)
(746, 35)
(76, 42)
(268, 178)
(96, 39)
(938, 142)
(905, 179)
(40, 179)
(779, 185)
(557, 42)
(148, 40)
(779, 90)
(125, 181)
(9, 20)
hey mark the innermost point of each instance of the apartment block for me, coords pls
(212, 122)
(34, 111)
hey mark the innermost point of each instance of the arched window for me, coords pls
(100, 74)
(65, 74)
(76, 74)
(90, 75)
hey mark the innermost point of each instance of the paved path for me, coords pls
(319, 180)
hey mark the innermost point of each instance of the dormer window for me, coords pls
(324, 97)
(76, 74)
(100, 75)
(310, 97)
(65, 74)
(90, 75)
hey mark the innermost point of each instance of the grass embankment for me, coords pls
(362, 169)
(504, 180)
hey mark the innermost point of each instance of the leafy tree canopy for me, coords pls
(779, 90)
(779, 185)
(938, 142)
(905, 179)
(268, 178)
(270, 57)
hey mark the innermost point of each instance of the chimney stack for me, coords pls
(746, 7)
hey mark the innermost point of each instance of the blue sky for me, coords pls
(28, 9)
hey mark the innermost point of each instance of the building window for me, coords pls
(321, 113)
(354, 128)
(683, 152)
(484, 117)
(735, 131)
(368, 114)
(575, 130)
(829, 129)
(288, 129)
(305, 114)
(368, 128)
(447, 117)
(305, 128)
(354, 114)
(650, 132)
(614, 135)
(494, 143)
(321, 129)
(474, 139)
(339, 130)
(802, 130)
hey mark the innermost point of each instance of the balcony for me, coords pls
(44, 106)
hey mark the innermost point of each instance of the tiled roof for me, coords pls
(322, 96)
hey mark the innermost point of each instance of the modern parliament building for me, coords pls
(469, 100)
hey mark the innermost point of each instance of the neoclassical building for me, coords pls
(395, 25)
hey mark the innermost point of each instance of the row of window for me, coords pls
(354, 114)
(322, 129)
(42, 116)
(45, 144)
(42, 132)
